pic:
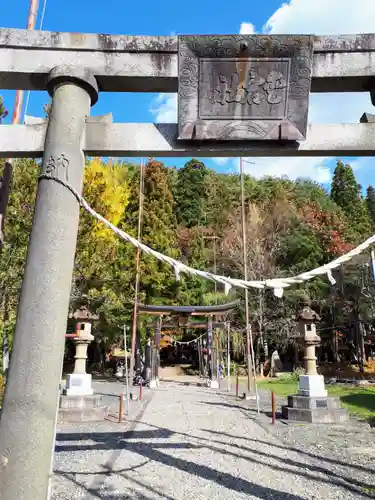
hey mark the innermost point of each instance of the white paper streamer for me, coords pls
(277, 284)
(330, 277)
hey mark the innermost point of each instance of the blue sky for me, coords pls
(165, 17)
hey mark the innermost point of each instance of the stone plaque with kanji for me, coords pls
(244, 87)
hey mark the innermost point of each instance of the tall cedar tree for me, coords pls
(191, 194)
(346, 193)
(370, 202)
(3, 110)
(158, 232)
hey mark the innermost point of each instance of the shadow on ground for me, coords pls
(139, 442)
(244, 409)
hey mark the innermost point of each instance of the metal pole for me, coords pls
(273, 404)
(228, 356)
(120, 408)
(28, 417)
(215, 267)
(244, 249)
(18, 103)
(137, 272)
(16, 118)
(157, 338)
(126, 372)
(200, 357)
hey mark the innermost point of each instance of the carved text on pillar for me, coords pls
(246, 87)
(58, 167)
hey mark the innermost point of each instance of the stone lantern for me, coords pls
(79, 382)
(311, 403)
(78, 403)
(311, 384)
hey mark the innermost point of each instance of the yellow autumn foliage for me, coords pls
(106, 189)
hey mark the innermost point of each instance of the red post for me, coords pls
(120, 410)
(140, 390)
(273, 402)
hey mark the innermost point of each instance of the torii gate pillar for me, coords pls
(27, 426)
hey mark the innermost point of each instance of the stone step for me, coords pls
(80, 402)
(312, 403)
(82, 415)
(315, 416)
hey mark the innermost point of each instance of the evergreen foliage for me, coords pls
(346, 193)
(370, 202)
(191, 193)
(291, 227)
(3, 110)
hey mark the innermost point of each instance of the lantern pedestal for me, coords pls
(314, 410)
(311, 404)
(78, 384)
(82, 408)
(312, 386)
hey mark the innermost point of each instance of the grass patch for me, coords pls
(368, 491)
(281, 386)
(360, 401)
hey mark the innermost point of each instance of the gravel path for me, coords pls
(189, 442)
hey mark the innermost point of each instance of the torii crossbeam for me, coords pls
(184, 315)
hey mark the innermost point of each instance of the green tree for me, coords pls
(19, 220)
(191, 193)
(346, 193)
(370, 202)
(158, 232)
(101, 277)
(3, 110)
(344, 189)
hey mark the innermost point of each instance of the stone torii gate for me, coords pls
(180, 316)
(240, 95)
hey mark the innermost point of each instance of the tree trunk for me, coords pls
(5, 182)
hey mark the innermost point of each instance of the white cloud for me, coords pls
(323, 17)
(220, 160)
(320, 17)
(327, 17)
(293, 168)
(164, 108)
(247, 29)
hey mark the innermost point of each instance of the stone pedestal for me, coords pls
(312, 386)
(78, 384)
(82, 408)
(314, 410)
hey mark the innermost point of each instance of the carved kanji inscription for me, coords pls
(243, 88)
